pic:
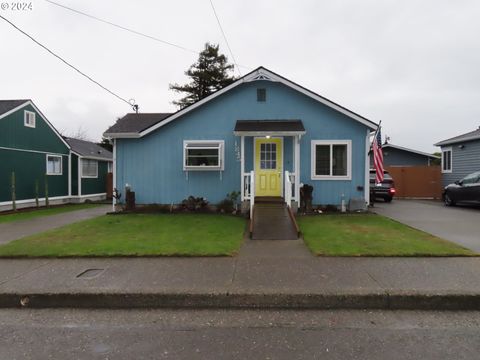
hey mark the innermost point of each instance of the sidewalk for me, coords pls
(18, 229)
(278, 274)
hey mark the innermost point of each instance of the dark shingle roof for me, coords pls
(472, 135)
(7, 105)
(269, 125)
(135, 123)
(89, 149)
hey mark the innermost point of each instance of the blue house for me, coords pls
(460, 156)
(262, 135)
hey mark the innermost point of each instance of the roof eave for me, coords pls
(268, 133)
(449, 142)
(130, 135)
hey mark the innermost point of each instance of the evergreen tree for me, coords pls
(209, 73)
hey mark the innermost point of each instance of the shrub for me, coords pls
(193, 203)
(225, 206)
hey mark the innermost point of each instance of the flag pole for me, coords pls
(374, 136)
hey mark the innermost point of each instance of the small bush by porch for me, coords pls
(136, 235)
(371, 235)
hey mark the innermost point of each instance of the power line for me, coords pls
(225, 37)
(123, 27)
(135, 106)
(136, 32)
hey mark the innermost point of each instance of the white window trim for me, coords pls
(221, 160)
(61, 164)
(444, 150)
(88, 176)
(314, 143)
(26, 113)
(110, 167)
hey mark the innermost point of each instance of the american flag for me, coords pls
(378, 157)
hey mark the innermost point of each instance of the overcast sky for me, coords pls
(415, 65)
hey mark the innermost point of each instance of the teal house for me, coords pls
(263, 136)
(41, 163)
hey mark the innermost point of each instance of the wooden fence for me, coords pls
(109, 185)
(417, 181)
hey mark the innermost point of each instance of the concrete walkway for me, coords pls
(18, 229)
(457, 224)
(268, 274)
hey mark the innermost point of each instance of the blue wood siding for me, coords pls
(464, 161)
(153, 167)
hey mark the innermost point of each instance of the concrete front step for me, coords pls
(271, 221)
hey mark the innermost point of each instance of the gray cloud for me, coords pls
(412, 64)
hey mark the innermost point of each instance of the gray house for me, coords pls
(460, 156)
(394, 155)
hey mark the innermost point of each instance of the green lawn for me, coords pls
(371, 235)
(136, 235)
(33, 213)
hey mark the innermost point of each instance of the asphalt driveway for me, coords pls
(460, 225)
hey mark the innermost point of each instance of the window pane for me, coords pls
(322, 160)
(339, 165)
(89, 167)
(202, 157)
(447, 160)
(54, 165)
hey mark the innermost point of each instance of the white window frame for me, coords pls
(216, 144)
(110, 167)
(96, 168)
(444, 151)
(61, 164)
(26, 118)
(314, 143)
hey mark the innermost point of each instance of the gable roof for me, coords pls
(89, 149)
(388, 145)
(10, 106)
(135, 123)
(260, 73)
(472, 135)
(7, 105)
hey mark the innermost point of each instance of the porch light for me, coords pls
(267, 137)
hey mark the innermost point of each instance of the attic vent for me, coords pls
(261, 95)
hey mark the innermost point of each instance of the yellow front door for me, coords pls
(268, 166)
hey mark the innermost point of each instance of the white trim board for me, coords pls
(30, 102)
(32, 151)
(258, 74)
(445, 150)
(313, 144)
(30, 200)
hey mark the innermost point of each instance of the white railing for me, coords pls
(288, 189)
(252, 193)
(246, 186)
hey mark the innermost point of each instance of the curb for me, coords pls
(434, 301)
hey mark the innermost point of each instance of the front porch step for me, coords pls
(272, 221)
(269, 200)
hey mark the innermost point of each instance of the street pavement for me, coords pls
(14, 230)
(264, 274)
(238, 334)
(459, 224)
